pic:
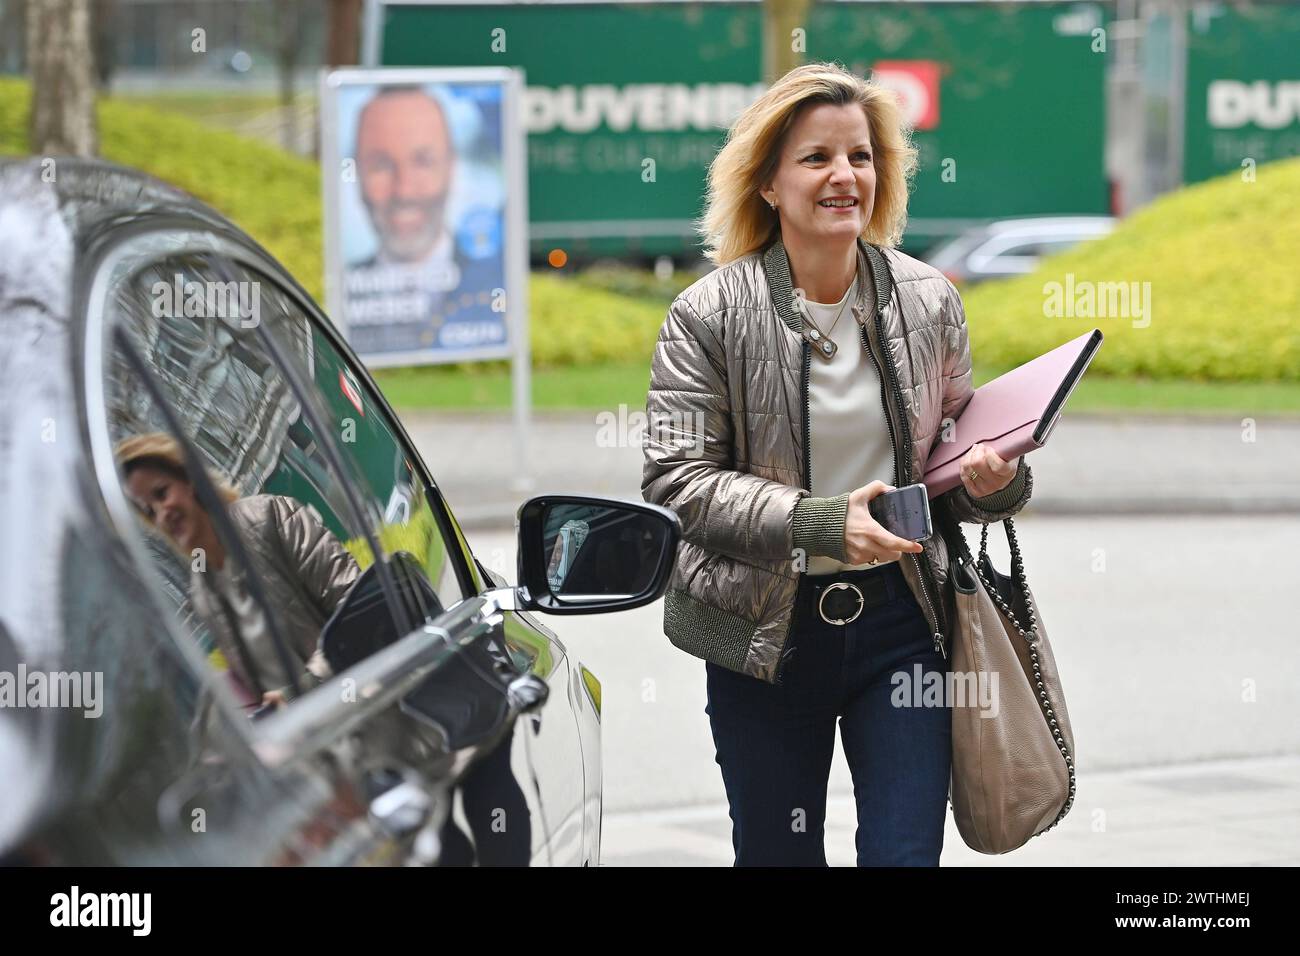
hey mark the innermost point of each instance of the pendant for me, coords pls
(821, 345)
(826, 349)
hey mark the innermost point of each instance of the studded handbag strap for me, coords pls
(1029, 634)
(1017, 575)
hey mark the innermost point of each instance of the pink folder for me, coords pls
(1014, 413)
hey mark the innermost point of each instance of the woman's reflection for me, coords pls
(303, 569)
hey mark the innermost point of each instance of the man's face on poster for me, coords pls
(404, 159)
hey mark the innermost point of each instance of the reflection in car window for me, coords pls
(275, 491)
(594, 550)
(289, 553)
(379, 462)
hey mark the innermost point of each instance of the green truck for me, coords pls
(627, 103)
(1242, 105)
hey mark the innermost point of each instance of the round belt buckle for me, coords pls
(840, 586)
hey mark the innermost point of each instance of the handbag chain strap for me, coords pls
(1029, 635)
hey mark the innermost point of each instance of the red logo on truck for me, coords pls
(350, 391)
(917, 84)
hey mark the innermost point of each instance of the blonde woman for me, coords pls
(810, 372)
(303, 568)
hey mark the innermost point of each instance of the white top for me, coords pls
(251, 624)
(850, 434)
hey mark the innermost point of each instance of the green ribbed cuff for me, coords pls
(1008, 496)
(818, 528)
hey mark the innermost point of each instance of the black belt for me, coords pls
(840, 598)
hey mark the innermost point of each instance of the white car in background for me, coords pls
(1012, 247)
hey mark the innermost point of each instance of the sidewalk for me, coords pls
(1221, 813)
(1094, 465)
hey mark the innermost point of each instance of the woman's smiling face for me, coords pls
(169, 504)
(825, 183)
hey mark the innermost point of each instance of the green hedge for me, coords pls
(574, 324)
(1221, 261)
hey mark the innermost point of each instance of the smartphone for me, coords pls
(262, 711)
(904, 512)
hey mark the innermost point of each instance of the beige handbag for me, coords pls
(1012, 772)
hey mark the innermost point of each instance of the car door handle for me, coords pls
(527, 694)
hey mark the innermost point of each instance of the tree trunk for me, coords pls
(780, 19)
(342, 47)
(60, 60)
(343, 33)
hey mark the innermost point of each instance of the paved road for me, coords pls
(1175, 648)
(1162, 553)
(1223, 813)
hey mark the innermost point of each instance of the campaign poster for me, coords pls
(423, 229)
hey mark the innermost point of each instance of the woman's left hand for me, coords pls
(983, 471)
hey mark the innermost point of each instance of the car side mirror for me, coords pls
(585, 555)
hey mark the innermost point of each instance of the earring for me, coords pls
(773, 204)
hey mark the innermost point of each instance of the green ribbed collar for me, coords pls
(777, 266)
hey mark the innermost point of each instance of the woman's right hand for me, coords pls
(864, 537)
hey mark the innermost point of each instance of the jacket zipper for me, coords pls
(807, 418)
(807, 461)
(902, 469)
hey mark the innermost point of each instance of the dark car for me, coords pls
(238, 622)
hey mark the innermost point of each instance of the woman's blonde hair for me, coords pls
(159, 450)
(738, 221)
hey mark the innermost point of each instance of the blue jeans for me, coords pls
(774, 741)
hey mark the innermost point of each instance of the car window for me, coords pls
(1046, 247)
(1027, 247)
(257, 536)
(1002, 254)
(380, 465)
(1024, 249)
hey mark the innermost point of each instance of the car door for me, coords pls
(524, 803)
(344, 771)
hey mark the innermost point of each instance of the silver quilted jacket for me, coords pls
(727, 447)
(305, 573)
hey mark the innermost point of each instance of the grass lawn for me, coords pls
(608, 386)
(596, 387)
(216, 108)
